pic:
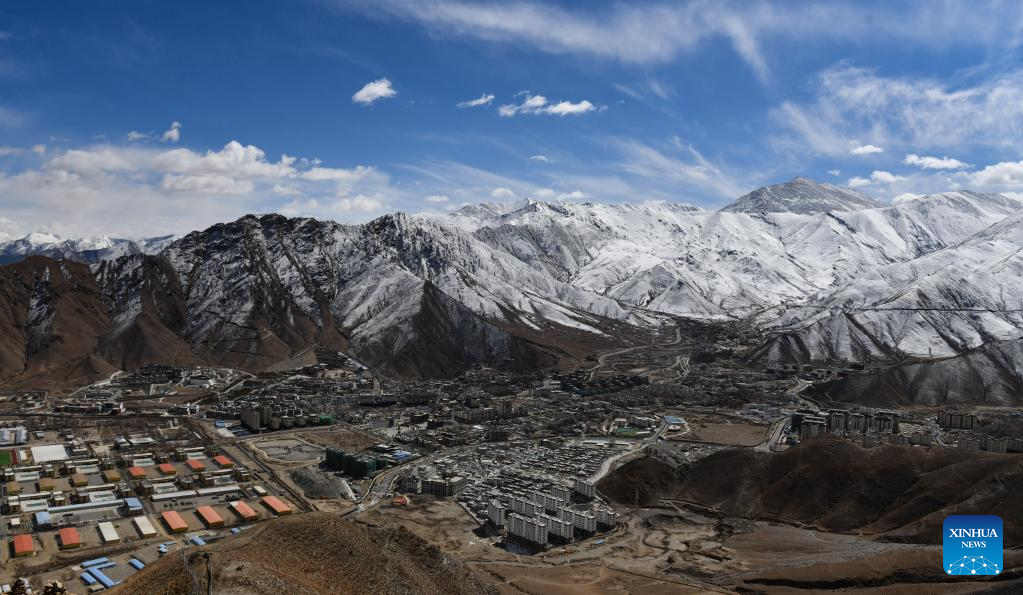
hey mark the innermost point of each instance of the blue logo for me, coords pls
(972, 545)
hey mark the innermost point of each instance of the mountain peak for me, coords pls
(801, 195)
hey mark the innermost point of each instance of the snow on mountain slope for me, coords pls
(86, 250)
(683, 260)
(803, 196)
(940, 304)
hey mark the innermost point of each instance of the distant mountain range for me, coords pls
(828, 272)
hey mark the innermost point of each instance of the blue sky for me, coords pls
(346, 109)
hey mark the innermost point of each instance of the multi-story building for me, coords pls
(992, 444)
(584, 521)
(444, 488)
(496, 512)
(525, 507)
(252, 420)
(558, 527)
(605, 516)
(531, 529)
(957, 420)
(585, 489)
(812, 426)
(838, 421)
(561, 492)
(410, 483)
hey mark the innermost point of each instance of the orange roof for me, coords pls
(276, 504)
(137, 472)
(23, 545)
(223, 461)
(209, 516)
(69, 537)
(195, 465)
(167, 469)
(243, 510)
(79, 479)
(174, 521)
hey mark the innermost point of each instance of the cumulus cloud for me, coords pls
(374, 91)
(542, 158)
(484, 99)
(538, 105)
(135, 135)
(876, 177)
(437, 198)
(574, 195)
(934, 162)
(502, 193)
(137, 190)
(11, 150)
(39, 149)
(835, 172)
(173, 134)
(865, 150)
(1004, 175)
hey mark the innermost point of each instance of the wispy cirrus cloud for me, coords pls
(485, 99)
(658, 32)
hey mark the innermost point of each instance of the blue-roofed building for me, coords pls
(42, 519)
(133, 504)
(673, 420)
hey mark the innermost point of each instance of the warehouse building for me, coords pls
(244, 510)
(143, 526)
(24, 545)
(276, 505)
(174, 522)
(108, 533)
(69, 538)
(209, 516)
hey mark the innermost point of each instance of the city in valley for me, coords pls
(511, 297)
(531, 478)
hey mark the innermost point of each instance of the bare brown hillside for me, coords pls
(902, 492)
(312, 553)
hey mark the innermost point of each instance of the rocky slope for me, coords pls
(312, 554)
(801, 195)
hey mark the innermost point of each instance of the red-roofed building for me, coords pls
(69, 538)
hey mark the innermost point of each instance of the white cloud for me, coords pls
(137, 190)
(502, 193)
(884, 177)
(876, 177)
(437, 198)
(574, 195)
(11, 151)
(484, 99)
(694, 170)
(173, 134)
(135, 135)
(543, 193)
(542, 158)
(857, 103)
(285, 190)
(934, 162)
(206, 184)
(39, 149)
(659, 32)
(537, 104)
(835, 172)
(1006, 175)
(865, 150)
(373, 91)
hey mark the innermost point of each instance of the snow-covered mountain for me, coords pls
(826, 273)
(86, 250)
(801, 195)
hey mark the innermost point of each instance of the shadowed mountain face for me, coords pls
(249, 294)
(901, 492)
